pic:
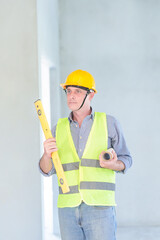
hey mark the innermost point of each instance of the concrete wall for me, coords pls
(20, 208)
(118, 42)
(48, 55)
(48, 50)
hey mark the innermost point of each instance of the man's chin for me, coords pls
(73, 107)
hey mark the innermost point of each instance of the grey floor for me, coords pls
(138, 233)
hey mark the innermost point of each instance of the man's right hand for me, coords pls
(49, 147)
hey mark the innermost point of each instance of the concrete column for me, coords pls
(20, 200)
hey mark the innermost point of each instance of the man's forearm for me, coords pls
(45, 164)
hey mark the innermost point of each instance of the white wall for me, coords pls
(48, 51)
(20, 208)
(118, 42)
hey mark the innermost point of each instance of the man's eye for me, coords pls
(68, 91)
(78, 91)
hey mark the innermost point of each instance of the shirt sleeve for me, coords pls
(118, 143)
(52, 171)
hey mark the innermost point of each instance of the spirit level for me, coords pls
(55, 157)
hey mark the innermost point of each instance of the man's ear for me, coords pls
(91, 95)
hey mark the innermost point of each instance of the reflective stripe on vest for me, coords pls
(90, 185)
(70, 166)
(73, 189)
(88, 182)
(84, 162)
(90, 163)
(98, 185)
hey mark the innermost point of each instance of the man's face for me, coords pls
(75, 97)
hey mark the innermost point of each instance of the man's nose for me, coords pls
(72, 95)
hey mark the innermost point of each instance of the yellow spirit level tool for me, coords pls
(55, 157)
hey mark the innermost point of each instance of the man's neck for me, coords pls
(79, 115)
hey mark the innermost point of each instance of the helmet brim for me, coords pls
(63, 85)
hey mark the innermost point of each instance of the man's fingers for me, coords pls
(50, 146)
(50, 140)
(114, 155)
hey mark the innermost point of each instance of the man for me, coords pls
(88, 210)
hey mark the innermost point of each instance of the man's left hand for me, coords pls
(113, 164)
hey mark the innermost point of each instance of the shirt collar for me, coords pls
(91, 116)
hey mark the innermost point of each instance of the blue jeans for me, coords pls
(87, 223)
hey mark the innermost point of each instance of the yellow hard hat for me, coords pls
(80, 78)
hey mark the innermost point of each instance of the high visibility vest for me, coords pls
(87, 181)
